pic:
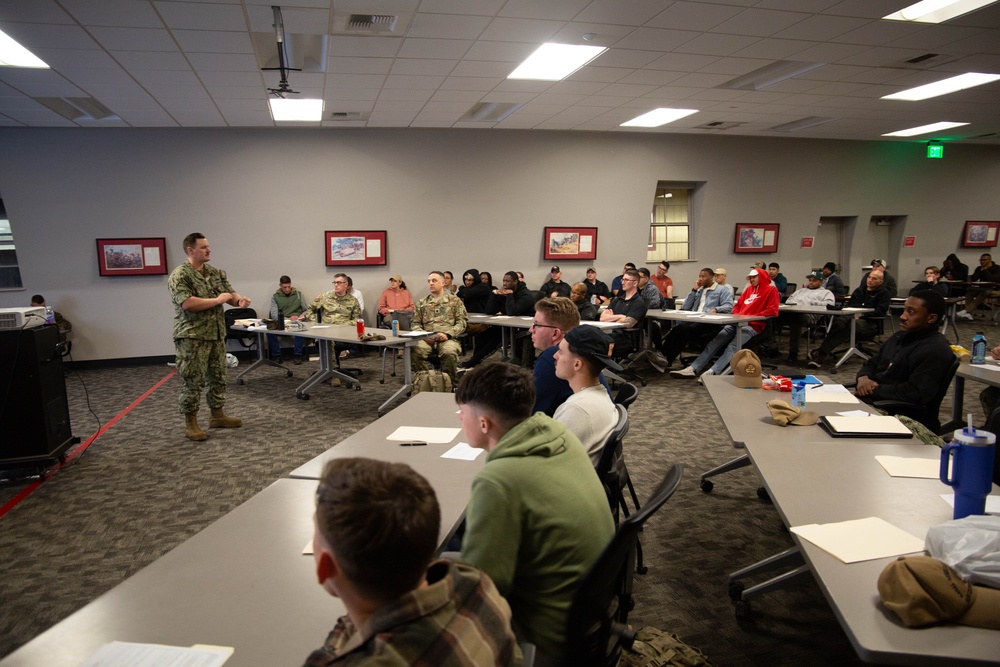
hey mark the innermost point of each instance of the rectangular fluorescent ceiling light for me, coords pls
(13, 54)
(296, 110)
(943, 87)
(937, 11)
(658, 117)
(924, 129)
(555, 62)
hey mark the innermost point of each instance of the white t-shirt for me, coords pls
(590, 415)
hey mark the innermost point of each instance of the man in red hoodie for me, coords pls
(759, 298)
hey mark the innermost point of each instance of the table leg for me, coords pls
(262, 359)
(327, 370)
(957, 406)
(853, 348)
(407, 381)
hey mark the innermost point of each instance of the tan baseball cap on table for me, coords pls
(746, 369)
(922, 590)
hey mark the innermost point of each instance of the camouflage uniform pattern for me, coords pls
(444, 314)
(336, 309)
(199, 337)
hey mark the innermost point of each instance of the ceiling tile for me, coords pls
(423, 66)
(134, 39)
(121, 13)
(448, 26)
(693, 16)
(213, 41)
(521, 30)
(444, 49)
(202, 16)
(562, 10)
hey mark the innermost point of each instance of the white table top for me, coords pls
(704, 318)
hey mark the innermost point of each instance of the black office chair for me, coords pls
(614, 476)
(247, 339)
(925, 413)
(632, 355)
(992, 423)
(627, 393)
(596, 628)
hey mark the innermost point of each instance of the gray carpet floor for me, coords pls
(142, 488)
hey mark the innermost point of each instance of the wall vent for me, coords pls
(372, 22)
(346, 115)
(925, 61)
(78, 108)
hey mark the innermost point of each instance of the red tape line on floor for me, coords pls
(28, 490)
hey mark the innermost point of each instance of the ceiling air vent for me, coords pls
(718, 125)
(925, 61)
(346, 115)
(372, 23)
(78, 108)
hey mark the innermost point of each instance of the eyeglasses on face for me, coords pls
(539, 325)
(339, 282)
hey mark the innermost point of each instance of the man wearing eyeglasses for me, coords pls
(554, 317)
(628, 308)
(337, 307)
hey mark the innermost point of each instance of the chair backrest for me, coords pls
(610, 466)
(627, 393)
(934, 405)
(247, 339)
(599, 612)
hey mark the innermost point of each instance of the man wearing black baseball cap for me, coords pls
(554, 286)
(589, 413)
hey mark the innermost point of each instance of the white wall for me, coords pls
(450, 199)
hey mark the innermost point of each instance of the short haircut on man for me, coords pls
(593, 366)
(773, 265)
(933, 302)
(37, 298)
(632, 273)
(284, 280)
(191, 240)
(512, 275)
(932, 268)
(629, 265)
(559, 311)
(830, 265)
(342, 275)
(439, 273)
(986, 255)
(505, 391)
(665, 264)
(381, 520)
(643, 271)
(709, 270)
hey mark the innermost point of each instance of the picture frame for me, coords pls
(356, 248)
(561, 243)
(136, 256)
(754, 237)
(980, 234)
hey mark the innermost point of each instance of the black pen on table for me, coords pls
(412, 444)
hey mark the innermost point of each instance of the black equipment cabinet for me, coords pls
(34, 413)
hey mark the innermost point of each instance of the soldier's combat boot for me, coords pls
(220, 420)
(191, 428)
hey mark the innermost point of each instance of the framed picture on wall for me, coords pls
(570, 243)
(366, 248)
(132, 257)
(754, 237)
(980, 234)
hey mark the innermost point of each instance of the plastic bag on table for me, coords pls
(970, 545)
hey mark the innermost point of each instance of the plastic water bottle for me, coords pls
(281, 320)
(979, 348)
(50, 315)
(799, 394)
(395, 327)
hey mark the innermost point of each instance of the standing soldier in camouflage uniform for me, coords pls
(338, 306)
(444, 313)
(198, 292)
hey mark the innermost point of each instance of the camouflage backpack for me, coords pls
(431, 381)
(655, 648)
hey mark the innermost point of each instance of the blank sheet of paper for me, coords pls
(899, 466)
(463, 451)
(429, 434)
(860, 539)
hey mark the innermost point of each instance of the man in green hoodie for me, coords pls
(538, 518)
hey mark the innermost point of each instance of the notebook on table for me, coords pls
(872, 426)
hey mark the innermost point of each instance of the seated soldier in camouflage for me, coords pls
(338, 307)
(444, 313)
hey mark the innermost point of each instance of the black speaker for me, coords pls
(34, 413)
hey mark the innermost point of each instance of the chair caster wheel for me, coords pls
(763, 494)
(303, 397)
(641, 570)
(736, 591)
(743, 610)
(357, 387)
(288, 374)
(707, 486)
(239, 381)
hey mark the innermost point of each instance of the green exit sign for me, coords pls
(935, 150)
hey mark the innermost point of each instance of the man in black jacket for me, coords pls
(513, 300)
(874, 295)
(913, 364)
(554, 286)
